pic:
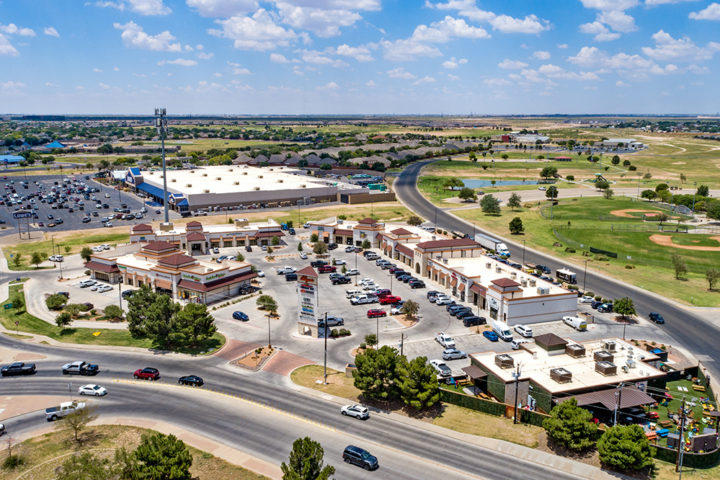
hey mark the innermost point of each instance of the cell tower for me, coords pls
(161, 124)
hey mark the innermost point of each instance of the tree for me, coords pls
(624, 306)
(571, 426)
(452, 183)
(161, 457)
(56, 301)
(366, 245)
(113, 312)
(67, 249)
(17, 259)
(712, 276)
(552, 192)
(240, 257)
(514, 201)
(306, 462)
(275, 240)
(85, 466)
(712, 209)
(615, 160)
(375, 375)
(602, 184)
(548, 172)
(608, 194)
(467, 194)
(300, 247)
(414, 220)
(371, 339)
(320, 248)
(269, 250)
(625, 447)
(73, 309)
(703, 191)
(661, 186)
(63, 320)
(417, 382)
(679, 266)
(516, 226)
(649, 194)
(85, 253)
(410, 308)
(490, 205)
(266, 302)
(36, 259)
(192, 325)
(314, 237)
(77, 421)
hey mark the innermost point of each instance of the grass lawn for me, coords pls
(45, 453)
(691, 395)
(30, 324)
(75, 243)
(338, 383)
(666, 471)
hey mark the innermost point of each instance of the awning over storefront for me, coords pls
(101, 267)
(215, 284)
(479, 289)
(630, 397)
(453, 281)
(474, 373)
(407, 251)
(270, 234)
(166, 284)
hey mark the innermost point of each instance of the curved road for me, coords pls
(689, 330)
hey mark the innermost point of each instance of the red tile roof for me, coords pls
(158, 246)
(505, 282)
(342, 231)
(401, 231)
(455, 242)
(195, 237)
(194, 223)
(262, 234)
(102, 267)
(143, 227)
(222, 282)
(368, 221)
(309, 271)
(177, 260)
(405, 250)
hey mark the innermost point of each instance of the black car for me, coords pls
(473, 320)
(450, 307)
(291, 231)
(400, 273)
(657, 318)
(464, 313)
(127, 293)
(341, 280)
(416, 284)
(404, 278)
(332, 246)
(192, 380)
(318, 263)
(432, 295)
(17, 368)
(248, 248)
(360, 457)
(291, 277)
(595, 304)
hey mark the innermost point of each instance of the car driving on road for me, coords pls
(192, 380)
(93, 390)
(657, 318)
(17, 368)
(362, 458)
(357, 411)
(147, 373)
(80, 368)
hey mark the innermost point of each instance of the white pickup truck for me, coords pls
(65, 408)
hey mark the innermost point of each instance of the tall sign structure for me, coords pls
(307, 290)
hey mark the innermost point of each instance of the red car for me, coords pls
(326, 269)
(147, 373)
(376, 312)
(389, 299)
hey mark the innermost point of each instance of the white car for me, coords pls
(104, 288)
(363, 299)
(515, 344)
(586, 299)
(366, 281)
(441, 368)
(339, 261)
(542, 189)
(395, 310)
(357, 411)
(95, 287)
(443, 300)
(260, 273)
(92, 389)
(353, 271)
(523, 330)
(56, 258)
(453, 354)
(87, 283)
(97, 249)
(303, 256)
(445, 340)
(285, 270)
(105, 246)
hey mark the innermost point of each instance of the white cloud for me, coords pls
(298, 71)
(652, 3)
(711, 12)
(426, 79)
(329, 86)
(508, 64)
(407, 49)
(601, 32)
(258, 32)
(50, 31)
(205, 55)
(12, 29)
(453, 63)
(149, 7)
(496, 82)
(361, 54)
(278, 58)
(531, 24)
(541, 55)
(400, 73)
(323, 22)
(181, 62)
(618, 21)
(97, 70)
(222, 8)
(611, 15)
(629, 66)
(11, 85)
(620, 83)
(133, 36)
(562, 46)
(370, 83)
(681, 49)
(453, 77)
(119, 5)
(438, 32)
(320, 58)
(238, 69)
(6, 47)
(553, 71)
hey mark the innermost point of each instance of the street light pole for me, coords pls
(585, 276)
(268, 319)
(517, 382)
(325, 328)
(523, 262)
(356, 253)
(161, 124)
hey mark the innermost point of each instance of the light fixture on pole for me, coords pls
(516, 376)
(161, 125)
(325, 330)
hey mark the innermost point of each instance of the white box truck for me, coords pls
(492, 244)
(575, 322)
(502, 330)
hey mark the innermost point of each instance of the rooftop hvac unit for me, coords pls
(524, 283)
(498, 269)
(189, 185)
(561, 375)
(533, 282)
(606, 368)
(630, 363)
(543, 290)
(603, 356)
(513, 275)
(504, 361)
(575, 350)
(204, 175)
(218, 178)
(488, 265)
(609, 345)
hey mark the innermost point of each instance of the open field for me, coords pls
(45, 453)
(591, 224)
(203, 144)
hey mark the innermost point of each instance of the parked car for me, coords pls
(416, 284)
(349, 249)
(318, 263)
(656, 317)
(260, 273)
(332, 246)
(18, 368)
(285, 270)
(291, 277)
(80, 368)
(605, 308)
(248, 248)
(575, 322)
(389, 299)
(595, 304)
(326, 269)
(473, 320)
(332, 321)
(93, 390)
(453, 354)
(524, 330)
(303, 256)
(357, 411)
(341, 280)
(352, 271)
(445, 340)
(443, 299)
(432, 295)
(586, 299)
(441, 368)
(490, 335)
(515, 344)
(362, 458)
(192, 380)
(339, 261)
(376, 312)
(363, 299)
(242, 316)
(147, 373)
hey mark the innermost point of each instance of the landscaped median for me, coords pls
(16, 319)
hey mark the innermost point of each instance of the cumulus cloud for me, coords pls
(11, 85)
(611, 16)
(530, 24)
(652, 3)
(50, 31)
(361, 54)
(496, 82)
(238, 69)
(324, 22)
(205, 55)
(278, 58)
(142, 7)
(257, 32)
(541, 55)
(133, 36)
(508, 64)
(419, 43)
(630, 66)
(6, 48)
(181, 62)
(370, 83)
(12, 29)
(426, 79)
(601, 32)
(453, 63)
(407, 49)
(711, 12)
(222, 8)
(668, 48)
(331, 86)
(400, 73)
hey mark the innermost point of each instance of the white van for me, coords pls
(576, 322)
(353, 293)
(503, 331)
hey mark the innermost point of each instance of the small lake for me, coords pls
(476, 183)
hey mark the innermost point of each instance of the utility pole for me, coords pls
(517, 382)
(325, 328)
(523, 262)
(618, 395)
(585, 276)
(120, 293)
(268, 318)
(678, 462)
(377, 332)
(161, 124)
(402, 342)
(356, 253)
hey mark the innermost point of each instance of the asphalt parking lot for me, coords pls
(71, 221)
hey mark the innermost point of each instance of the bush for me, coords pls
(625, 447)
(570, 177)
(571, 426)
(113, 312)
(56, 301)
(13, 461)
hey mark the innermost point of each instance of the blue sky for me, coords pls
(360, 56)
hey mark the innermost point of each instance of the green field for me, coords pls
(75, 243)
(580, 223)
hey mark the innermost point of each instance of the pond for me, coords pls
(477, 183)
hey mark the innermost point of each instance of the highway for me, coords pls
(691, 331)
(405, 450)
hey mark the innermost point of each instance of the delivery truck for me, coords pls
(492, 243)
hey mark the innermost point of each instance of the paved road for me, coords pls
(688, 329)
(243, 424)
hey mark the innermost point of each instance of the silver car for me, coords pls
(357, 411)
(453, 354)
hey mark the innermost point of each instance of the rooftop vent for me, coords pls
(204, 174)
(236, 183)
(206, 191)
(498, 269)
(257, 188)
(609, 345)
(533, 282)
(260, 176)
(513, 275)
(218, 178)
(543, 290)
(603, 356)
(575, 350)
(560, 375)
(606, 368)
(188, 185)
(504, 361)
(173, 180)
(280, 180)
(244, 173)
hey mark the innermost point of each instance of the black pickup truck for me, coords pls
(17, 368)
(80, 368)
